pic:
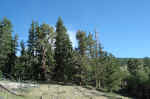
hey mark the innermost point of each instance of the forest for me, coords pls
(48, 55)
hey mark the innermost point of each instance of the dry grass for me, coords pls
(54, 91)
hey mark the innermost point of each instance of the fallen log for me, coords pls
(9, 91)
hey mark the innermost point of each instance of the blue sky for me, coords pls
(123, 25)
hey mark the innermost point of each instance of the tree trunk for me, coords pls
(44, 64)
(99, 84)
(9, 91)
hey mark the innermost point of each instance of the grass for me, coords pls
(55, 91)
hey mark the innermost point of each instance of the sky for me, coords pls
(123, 25)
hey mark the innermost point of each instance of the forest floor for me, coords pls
(53, 91)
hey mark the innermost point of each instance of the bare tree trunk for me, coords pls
(99, 84)
(44, 63)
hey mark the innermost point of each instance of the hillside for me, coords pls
(54, 91)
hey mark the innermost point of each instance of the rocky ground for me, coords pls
(16, 85)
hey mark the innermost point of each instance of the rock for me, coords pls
(13, 85)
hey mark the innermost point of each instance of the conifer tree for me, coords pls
(82, 41)
(83, 59)
(5, 45)
(23, 49)
(32, 40)
(134, 65)
(113, 74)
(45, 43)
(63, 54)
(12, 60)
(146, 61)
(33, 63)
(91, 42)
(22, 66)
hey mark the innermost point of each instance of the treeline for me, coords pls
(48, 55)
(137, 78)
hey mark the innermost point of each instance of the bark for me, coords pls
(44, 64)
(99, 85)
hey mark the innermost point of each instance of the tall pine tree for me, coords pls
(12, 61)
(45, 43)
(5, 45)
(33, 63)
(63, 54)
(83, 59)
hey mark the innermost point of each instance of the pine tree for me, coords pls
(5, 45)
(91, 42)
(83, 56)
(32, 40)
(1, 46)
(138, 78)
(33, 64)
(82, 39)
(12, 61)
(45, 43)
(97, 64)
(23, 49)
(62, 53)
(146, 61)
(134, 65)
(96, 54)
(22, 66)
(113, 74)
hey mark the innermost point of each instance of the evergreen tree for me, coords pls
(113, 74)
(146, 61)
(32, 40)
(45, 43)
(23, 49)
(33, 64)
(98, 64)
(63, 54)
(82, 41)
(91, 44)
(22, 66)
(138, 78)
(97, 58)
(5, 45)
(12, 61)
(134, 65)
(83, 58)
